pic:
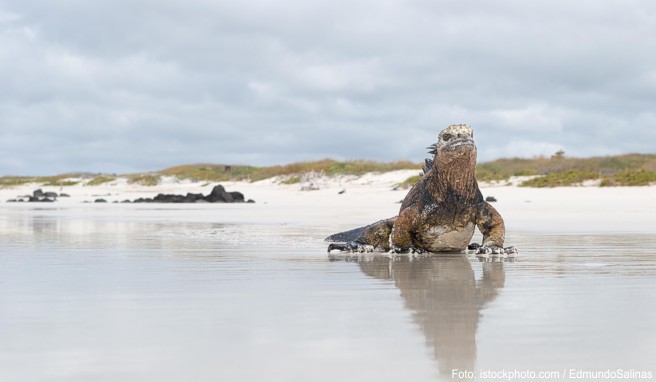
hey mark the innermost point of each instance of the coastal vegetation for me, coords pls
(329, 167)
(555, 171)
(409, 182)
(561, 170)
(100, 179)
(144, 179)
(52, 181)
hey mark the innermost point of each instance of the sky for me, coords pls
(140, 85)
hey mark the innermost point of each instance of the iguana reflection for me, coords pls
(445, 298)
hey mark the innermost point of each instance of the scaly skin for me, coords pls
(440, 211)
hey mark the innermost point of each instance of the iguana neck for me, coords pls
(456, 181)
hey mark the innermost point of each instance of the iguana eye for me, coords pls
(446, 137)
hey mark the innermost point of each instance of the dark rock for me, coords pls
(126, 201)
(193, 198)
(473, 246)
(12, 201)
(237, 197)
(250, 201)
(491, 199)
(143, 200)
(62, 195)
(39, 199)
(218, 195)
(218, 190)
(341, 192)
(169, 198)
(40, 196)
(100, 201)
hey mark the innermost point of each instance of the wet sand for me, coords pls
(247, 292)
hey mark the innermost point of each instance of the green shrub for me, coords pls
(411, 181)
(144, 179)
(100, 179)
(291, 180)
(635, 177)
(525, 172)
(55, 183)
(209, 172)
(559, 179)
(50, 181)
(503, 169)
(10, 181)
(608, 181)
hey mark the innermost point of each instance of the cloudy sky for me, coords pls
(139, 85)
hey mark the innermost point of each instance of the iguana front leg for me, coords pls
(491, 225)
(402, 231)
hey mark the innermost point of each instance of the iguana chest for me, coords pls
(444, 238)
(445, 229)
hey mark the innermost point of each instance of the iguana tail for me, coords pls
(376, 234)
(346, 236)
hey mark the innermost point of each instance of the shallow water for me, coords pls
(148, 294)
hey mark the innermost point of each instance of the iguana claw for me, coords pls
(407, 250)
(496, 250)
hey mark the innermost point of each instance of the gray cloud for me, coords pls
(140, 85)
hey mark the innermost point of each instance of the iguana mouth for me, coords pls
(460, 143)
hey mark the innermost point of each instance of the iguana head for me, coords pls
(456, 142)
(454, 149)
(456, 139)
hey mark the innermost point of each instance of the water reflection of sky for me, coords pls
(145, 297)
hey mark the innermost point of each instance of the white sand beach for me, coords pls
(373, 196)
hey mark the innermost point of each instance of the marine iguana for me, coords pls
(440, 212)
